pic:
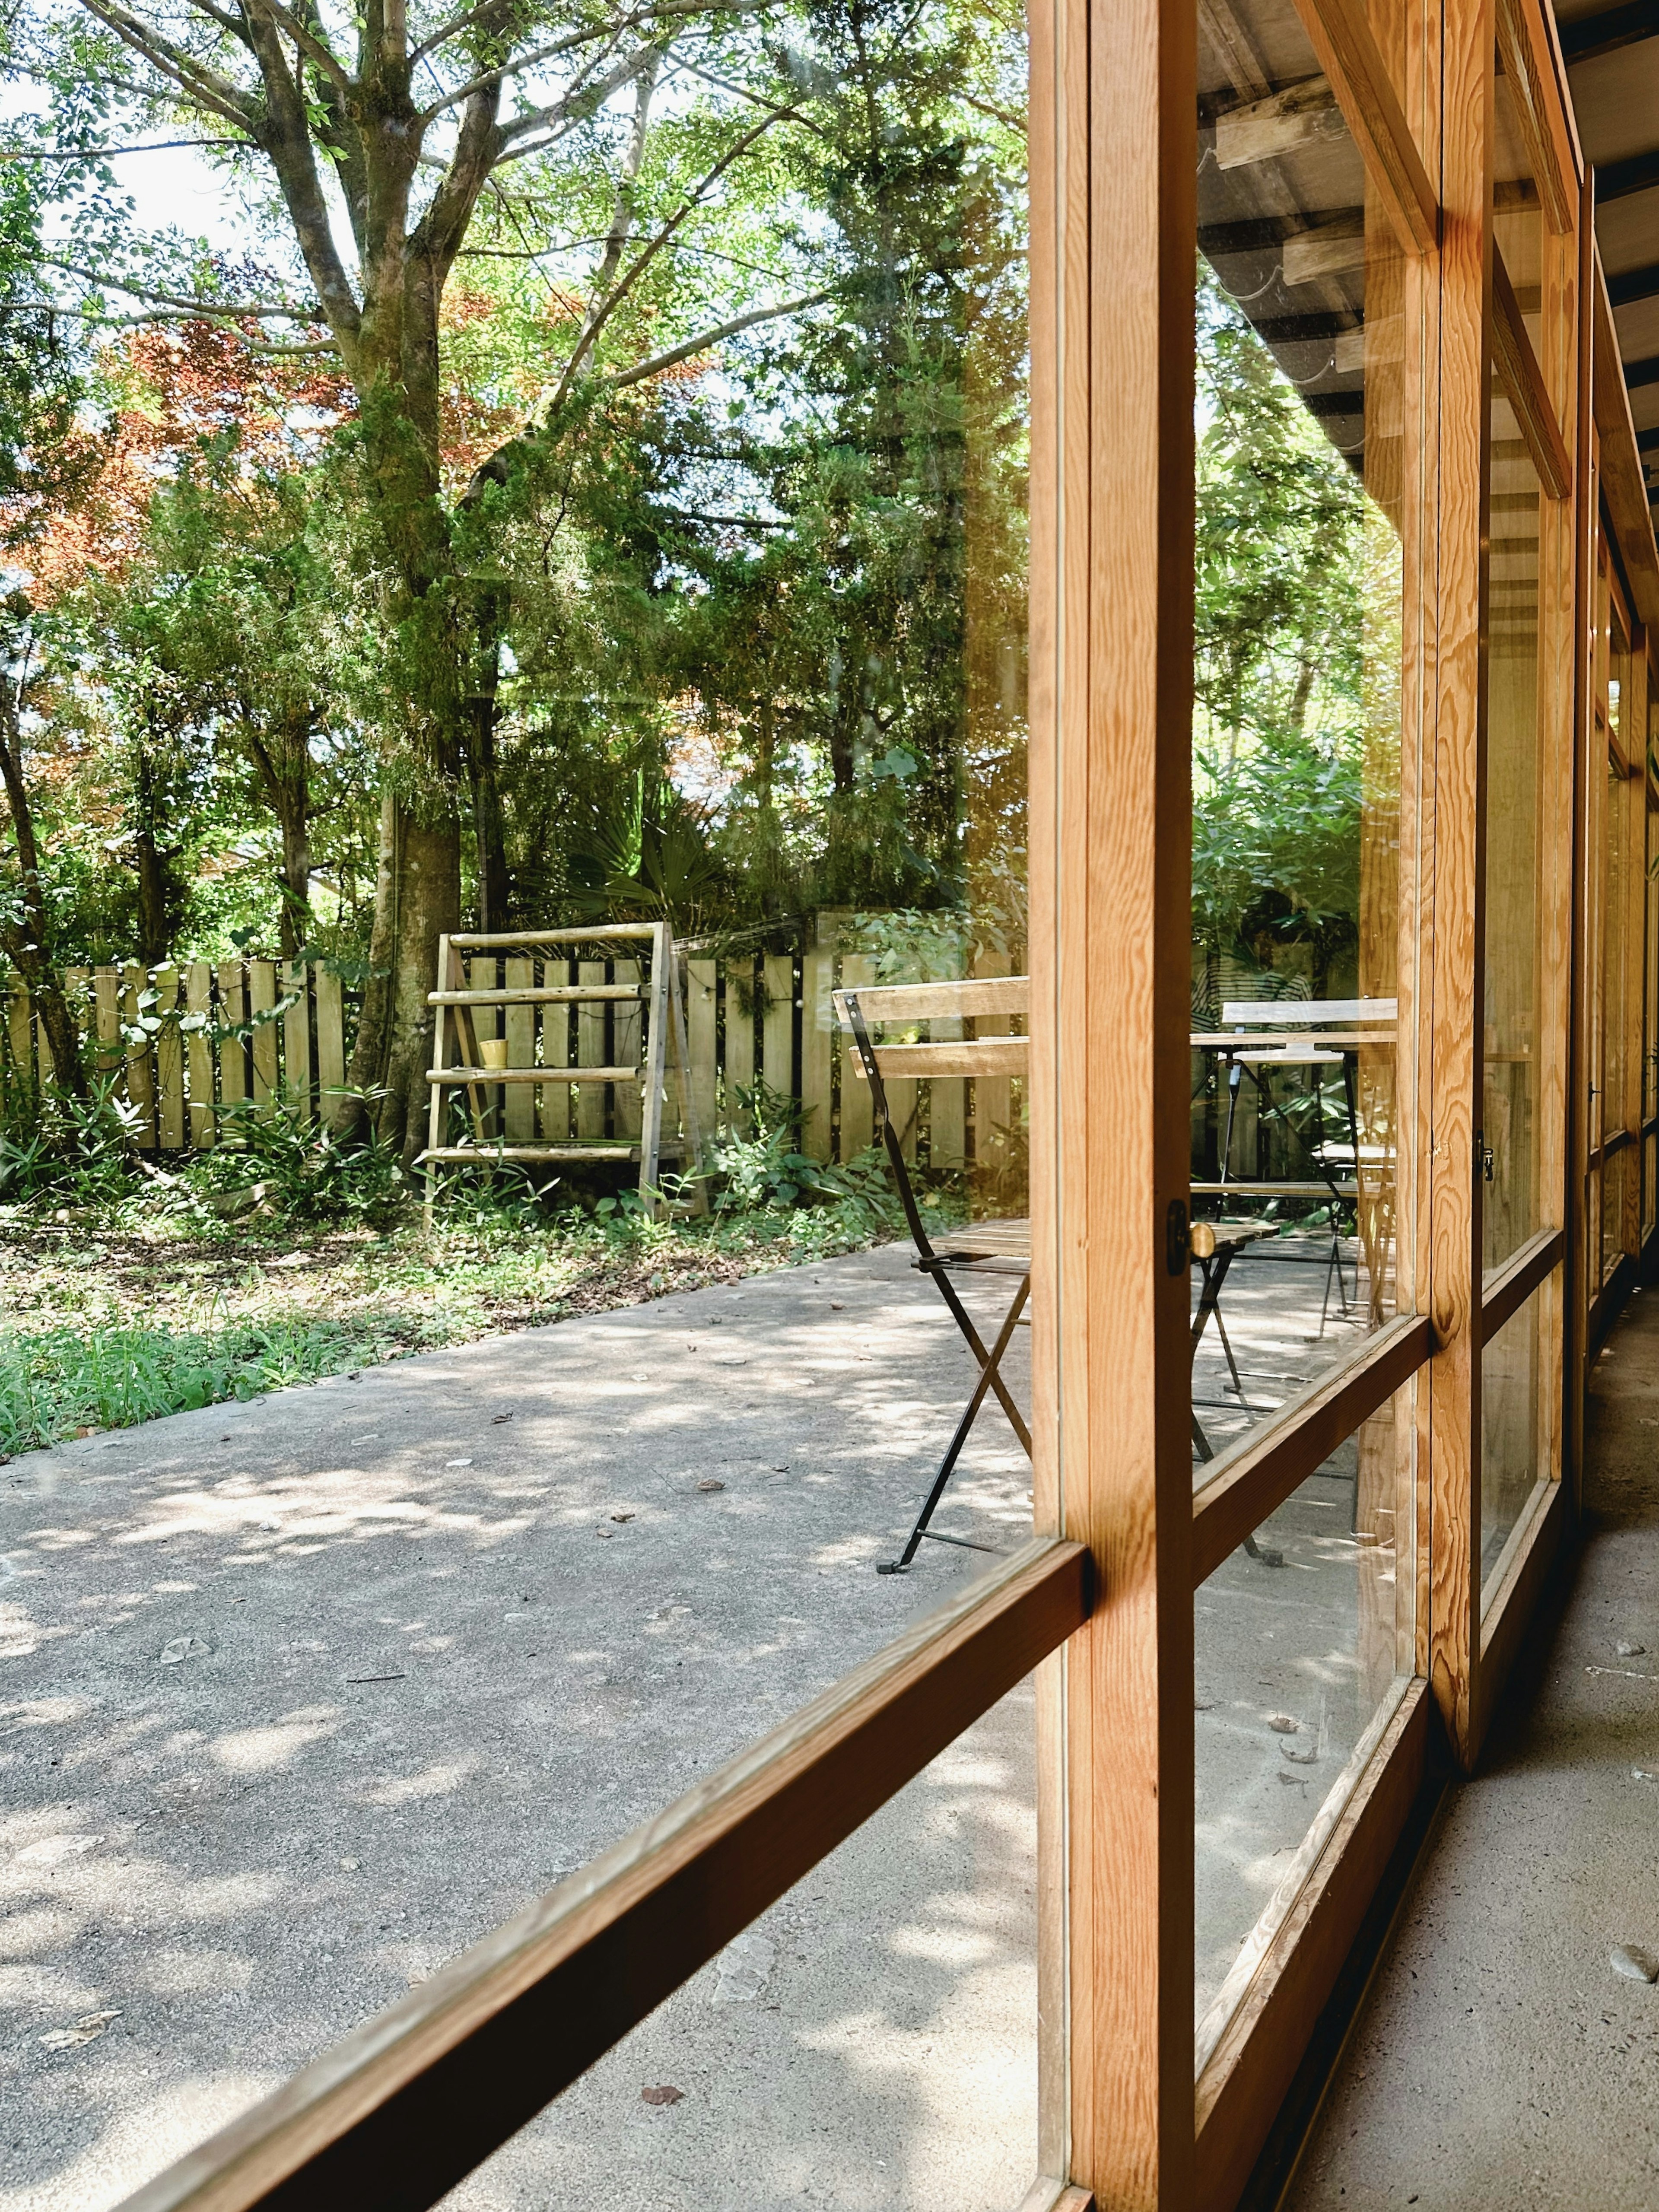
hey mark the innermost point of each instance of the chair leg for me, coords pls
(969, 1415)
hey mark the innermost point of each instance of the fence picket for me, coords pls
(590, 1053)
(20, 1023)
(106, 1010)
(702, 1013)
(858, 1113)
(232, 1050)
(198, 999)
(777, 1066)
(520, 1052)
(816, 1045)
(296, 1042)
(141, 1084)
(625, 1032)
(556, 1099)
(169, 1063)
(262, 1000)
(330, 1039)
(740, 1017)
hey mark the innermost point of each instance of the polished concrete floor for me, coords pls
(1499, 2059)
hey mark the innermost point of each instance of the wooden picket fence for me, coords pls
(188, 1041)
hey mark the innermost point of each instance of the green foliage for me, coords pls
(1294, 571)
(74, 1152)
(56, 1382)
(300, 1168)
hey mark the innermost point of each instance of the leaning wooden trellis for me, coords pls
(629, 1026)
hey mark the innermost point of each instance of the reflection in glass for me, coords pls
(1299, 1653)
(1513, 1436)
(1296, 780)
(871, 2041)
(1512, 966)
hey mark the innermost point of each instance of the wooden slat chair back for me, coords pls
(996, 1247)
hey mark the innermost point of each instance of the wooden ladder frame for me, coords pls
(665, 1035)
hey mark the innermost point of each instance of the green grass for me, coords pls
(149, 1303)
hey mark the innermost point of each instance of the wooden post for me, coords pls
(1113, 218)
(169, 1064)
(777, 1024)
(993, 1095)
(262, 998)
(296, 1040)
(199, 1002)
(520, 1033)
(691, 1121)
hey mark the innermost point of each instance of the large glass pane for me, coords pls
(1300, 1645)
(1304, 454)
(1512, 965)
(1513, 1432)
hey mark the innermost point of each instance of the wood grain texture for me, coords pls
(1524, 386)
(1244, 2083)
(169, 1063)
(519, 1027)
(1299, 1440)
(1539, 111)
(1623, 485)
(1110, 991)
(817, 1044)
(297, 1041)
(1453, 1398)
(1509, 1287)
(907, 1002)
(1576, 1292)
(198, 1052)
(396, 2113)
(857, 1129)
(591, 1052)
(1341, 38)
(777, 1024)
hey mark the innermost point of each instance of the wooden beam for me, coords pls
(1528, 69)
(904, 1002)
(1603, 33)
(1623, 484)
(1266, 130)
(1300, 1438)
(1347, 53)
(1524, 387)
(1504, 1294)
(394, 2115)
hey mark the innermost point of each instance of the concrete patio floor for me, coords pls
(449, 1629)
(302, 1696)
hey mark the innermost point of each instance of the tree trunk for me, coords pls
(294, 924)
(157, 900)
(27, 939)
(417, 900)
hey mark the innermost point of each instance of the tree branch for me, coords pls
(601, 315)
(109, 152)
(177, 66)
(307, 39)
(186, 303)
(707, 338)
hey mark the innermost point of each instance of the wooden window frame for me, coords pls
(401, 2110)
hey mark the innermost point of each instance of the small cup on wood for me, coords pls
(492, 1052)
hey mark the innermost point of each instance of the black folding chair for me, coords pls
(987, 1248)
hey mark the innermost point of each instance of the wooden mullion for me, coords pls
(1576, 1135)
(1275, 1461)
(1634, 718)
(1341, 37)
(1524, 386)
(1113, 220)
(1539, 111)
(399, 2111)
(1503, 1296)
(1452, 1401)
